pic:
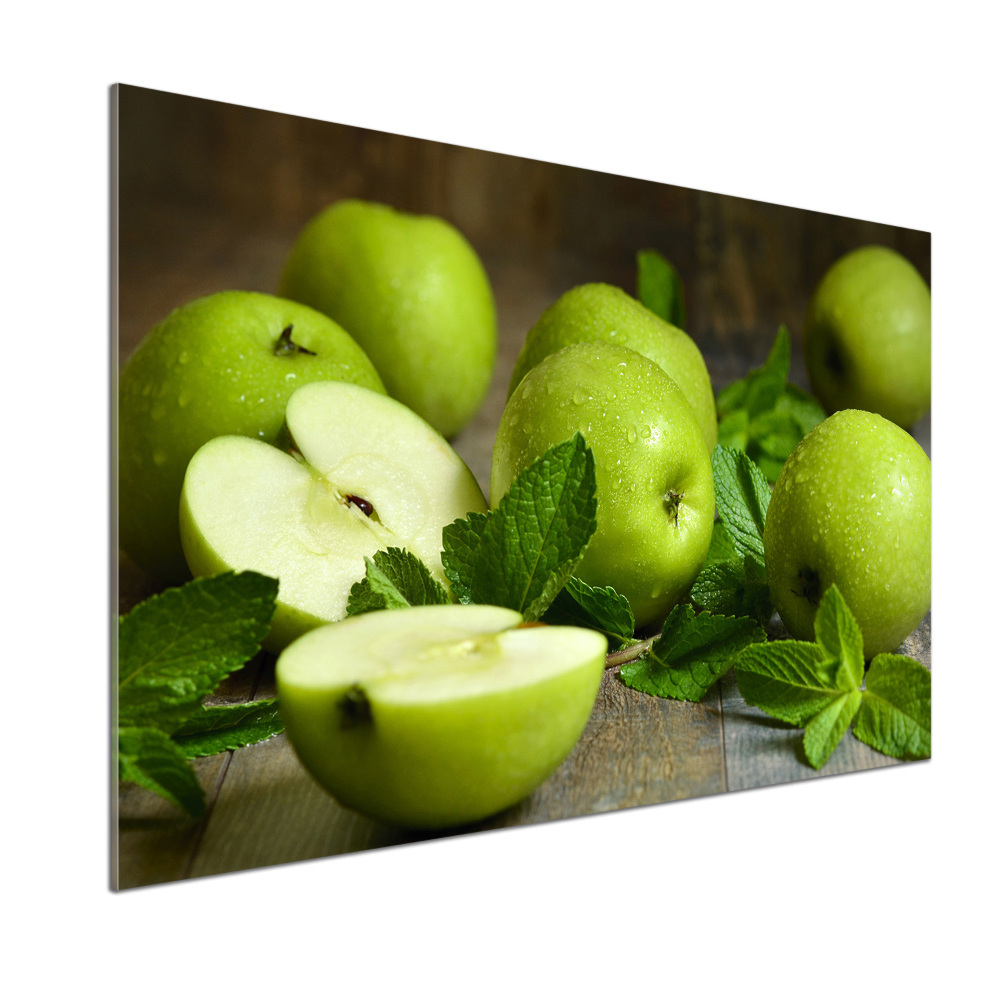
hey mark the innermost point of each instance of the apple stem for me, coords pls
(629, 653)
(285, 345)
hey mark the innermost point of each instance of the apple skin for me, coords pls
(646, 443)
(412, 292)
(246, 504)
(604, 312)
(867, 336)
(209, 369)
(852, 506)
(454, 751)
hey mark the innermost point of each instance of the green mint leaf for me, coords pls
(531, 543)
(895, 713)
(805, 409)
(765, 384)
(214, 728)
(734, 430)
(839, 635)
(394, 578)
(691, 654)
(600, 608)
(773, 435)
(176, 647)
(148, 757)
(825, 729)
(659, 287)
(720, 548)
(737, 587)
(742, 496)
(460, 542)
(787, 679)
(760, 388)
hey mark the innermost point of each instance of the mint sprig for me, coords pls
(692, 652)
(600, 608)
(895, 715)
(733, 580)
(394, 578)
(173, 650)
(817, 685)
(659, 287)
(521, 554)
(765, 416)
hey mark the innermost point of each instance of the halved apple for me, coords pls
(362, 472)
(437, 716)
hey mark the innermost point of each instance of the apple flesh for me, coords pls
(413, 293)
(655, 497)
(867, 336)
(852, 506)
(438, 716)
(603, 312)
(362, 473)
(222, 364)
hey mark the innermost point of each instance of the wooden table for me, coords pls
(636, 749)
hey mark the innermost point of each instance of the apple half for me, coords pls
(361, 472)
(437, 716)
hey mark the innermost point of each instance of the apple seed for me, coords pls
(355, 708)
(362, 504)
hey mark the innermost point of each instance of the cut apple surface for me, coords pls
(437, 716)
(362, 472)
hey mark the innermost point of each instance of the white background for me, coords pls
(878, 880)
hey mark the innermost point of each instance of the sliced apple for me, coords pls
(437, 716)
(362, 472)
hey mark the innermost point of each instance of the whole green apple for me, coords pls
(222, 364)
(412, 292)
(361, 472)
(655, 498)
(852, 506)
(437, 716)
(604, 312)
(867, 336)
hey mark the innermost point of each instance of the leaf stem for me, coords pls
(629, 653)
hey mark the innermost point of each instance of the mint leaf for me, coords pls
(787, 679)
(214, 728)
(176, 647)
(659, 287)
(720, 548)
(600, 608)
(148, 757)
(460, 541)
(825, 729)
(839, 635)
(736, 587)
(742, 496)
(529, 545)
(734, 430)
(803, 408)
(895, 713)
(763, 415)
(394, 578)
(691, 654)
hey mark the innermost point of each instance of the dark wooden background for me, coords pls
(211, 196)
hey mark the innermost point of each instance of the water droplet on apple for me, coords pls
(647, 431)
(632, 436)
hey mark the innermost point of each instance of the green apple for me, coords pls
(222, 364)
(412, 292)
(867, 336)
(362, 473)
(437, 716)
(604, 312)
(852, 506)
(655, 499)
